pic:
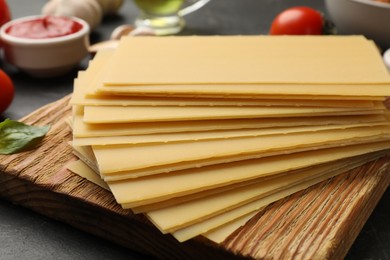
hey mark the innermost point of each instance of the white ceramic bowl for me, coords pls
(386, 59)
(367, 17)
(46, 57)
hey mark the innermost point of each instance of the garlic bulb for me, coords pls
(110, 6)
(88, 10)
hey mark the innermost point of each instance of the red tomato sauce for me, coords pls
(46, 27)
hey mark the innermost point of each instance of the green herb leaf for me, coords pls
(17, 137)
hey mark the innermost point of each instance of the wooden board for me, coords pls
(318, 223)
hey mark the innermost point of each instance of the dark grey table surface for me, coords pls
(27, 235)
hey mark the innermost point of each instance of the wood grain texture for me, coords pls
(320, 222)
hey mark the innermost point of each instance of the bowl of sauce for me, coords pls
(45, 46)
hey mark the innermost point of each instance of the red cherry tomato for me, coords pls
(298, 20)
(5, 14)
(6, 91)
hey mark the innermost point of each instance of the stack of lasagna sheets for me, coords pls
(200, 133)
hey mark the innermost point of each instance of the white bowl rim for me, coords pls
(386, 58)
(373, 3)
(28, 41)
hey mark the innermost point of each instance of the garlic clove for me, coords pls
(128, 29)
(111, 44)
(118, 32)
(121, 30)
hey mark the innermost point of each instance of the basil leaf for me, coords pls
(17, 137)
